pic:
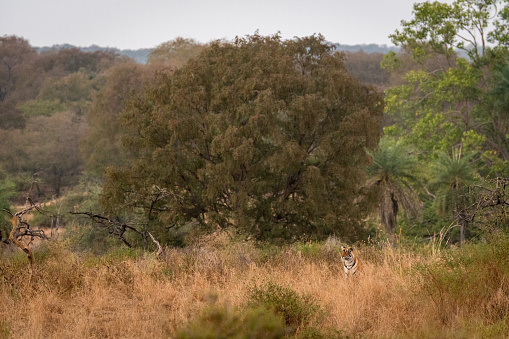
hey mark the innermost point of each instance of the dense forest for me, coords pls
(141, 55)
(69, 120)
(76, 121)
(217, 171)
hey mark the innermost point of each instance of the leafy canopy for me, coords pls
(266, 135)
(445, 100)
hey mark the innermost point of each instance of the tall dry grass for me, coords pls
(128, 294)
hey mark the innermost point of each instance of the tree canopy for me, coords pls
(265, 135)
(452, 95)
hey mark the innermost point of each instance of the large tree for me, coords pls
(265, 135)
(444, 101)
(46, 149)
(16, 58)
(447, 97)
(101, 145)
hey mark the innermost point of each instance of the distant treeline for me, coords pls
(141, 55)
(138, 55)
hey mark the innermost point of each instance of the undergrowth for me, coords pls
(298, 291)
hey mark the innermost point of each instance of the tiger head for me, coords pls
(347, 253)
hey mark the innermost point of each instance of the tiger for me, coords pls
(350, 262)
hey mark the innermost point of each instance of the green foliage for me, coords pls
(394, 161)
(495, 109)
(390, 61)
(488, 206)
(296, 310)
(440, 28)
(7, 190)
(444, 101)
(470, 281)
(33, 108)
(74, 90)
(87, 238)
(46, 148)
(311, 250)
(432, 27)
(451, 177)
(266, 135)
(501, 27)
(432, 108)
(222, 322)
(430, 226)
(101, 146)
(393, 175)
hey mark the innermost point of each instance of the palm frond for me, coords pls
(451, 175)
(394, 171)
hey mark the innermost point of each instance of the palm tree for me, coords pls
(451, 177)
(392, 174)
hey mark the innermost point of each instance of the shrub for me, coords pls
(222, 322)
(470, 280)
(296, 310)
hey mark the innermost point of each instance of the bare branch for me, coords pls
(159, 248)
(113, 227)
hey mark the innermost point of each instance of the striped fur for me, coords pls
(350, 262)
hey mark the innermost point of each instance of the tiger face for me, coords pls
(350, 262)
(346, 253)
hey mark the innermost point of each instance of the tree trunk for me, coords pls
(463, 223)
(57, 225)
(389, 219)
(51, 227)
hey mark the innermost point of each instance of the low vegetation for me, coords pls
(219, 287)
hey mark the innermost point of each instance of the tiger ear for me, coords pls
(351, 249)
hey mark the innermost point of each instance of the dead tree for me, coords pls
(21, 230)
(491, 204)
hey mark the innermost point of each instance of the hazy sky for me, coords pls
(148, 23)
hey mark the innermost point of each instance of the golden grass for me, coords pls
(127, 296)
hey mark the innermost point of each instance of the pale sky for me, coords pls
(133, 24)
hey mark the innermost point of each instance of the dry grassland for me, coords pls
(128, 294)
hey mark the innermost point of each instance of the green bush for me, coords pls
(88, 238)
(221, 322)
(296, 310)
